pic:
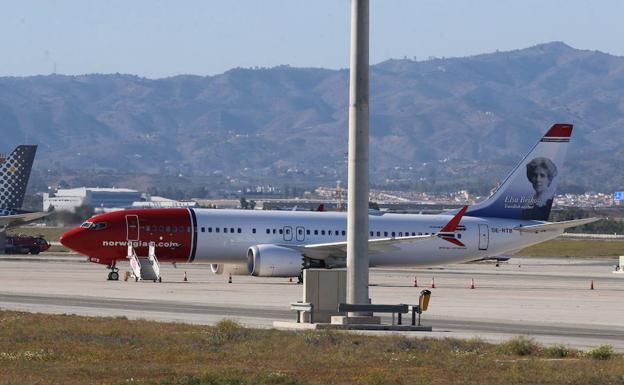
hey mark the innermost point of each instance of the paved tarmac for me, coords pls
(545, 298)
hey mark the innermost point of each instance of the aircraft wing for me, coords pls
(555, 225)
(20, 219)
(339, 249)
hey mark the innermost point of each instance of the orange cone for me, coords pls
(185, 277)
(230, 279)
(472, 283)
(591, 285)
(415, 282)
(432, 282)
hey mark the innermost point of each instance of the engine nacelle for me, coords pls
(273, 261)
(228, 269)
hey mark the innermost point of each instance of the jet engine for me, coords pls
(228, 269)
(273, 261)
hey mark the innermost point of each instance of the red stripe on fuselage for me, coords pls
(171, 230)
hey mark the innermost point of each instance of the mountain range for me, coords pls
(438, 123)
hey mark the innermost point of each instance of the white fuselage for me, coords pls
(224, 236)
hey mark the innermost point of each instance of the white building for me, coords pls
(98, 198)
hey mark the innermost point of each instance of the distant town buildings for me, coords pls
(106, 199)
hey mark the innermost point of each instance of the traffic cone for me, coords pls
(472, 283)
(432, 282)
(185, 277)
(290, 279)
(591, 285)
(415, 282)
(230, 279)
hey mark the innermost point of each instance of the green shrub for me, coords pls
(557, 351)
(602, 352)
(519, 346)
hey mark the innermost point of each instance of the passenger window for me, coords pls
(379, 233)
(419, 233)
(203, 230)
(385, 233)
(315, 232)
(287, 231)
(174, 229)
(413, 234)
(300, 232)
(329, 232)
(161, 229)
(322, 232)
(281, 231)
(239, 230)
(253, 231)
(307, 232)
(393, 234)
(232, 230)
(459, 236)
(400, 234)
(210, 229)
(344, 232)
(274, 231)
(371, 233)
(181, 229)
(217, 229)
(268, 231)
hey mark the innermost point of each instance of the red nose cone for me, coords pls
(71, 239)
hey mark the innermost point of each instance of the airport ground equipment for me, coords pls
(144, 268)
(25, 244)
(323, 290)
(301, 307)
(3, 241)
(619, 269)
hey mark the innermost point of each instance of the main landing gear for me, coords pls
(114, 274)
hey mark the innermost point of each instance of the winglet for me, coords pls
(454, 222)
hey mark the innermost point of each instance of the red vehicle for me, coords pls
(24, 244)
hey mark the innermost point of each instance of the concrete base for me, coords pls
(355, 320)
(284, 325)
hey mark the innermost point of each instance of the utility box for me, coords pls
(324, 290)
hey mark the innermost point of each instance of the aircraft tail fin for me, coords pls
(528, 192)
(14, 174)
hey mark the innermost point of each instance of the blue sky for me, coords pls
(164, 38)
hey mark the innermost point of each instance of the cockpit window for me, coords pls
(86, 225)
(99, 225)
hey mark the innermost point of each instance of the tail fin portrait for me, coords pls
(14, 175)
(528, 192)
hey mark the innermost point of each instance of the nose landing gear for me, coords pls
(114, 273)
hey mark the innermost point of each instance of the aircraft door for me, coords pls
(288, 236)
(300, 233)
(484, 237)
(132, 226)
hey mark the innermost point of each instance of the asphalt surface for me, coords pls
(546, 299)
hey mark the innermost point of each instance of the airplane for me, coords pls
(282, 243)
(14, 174)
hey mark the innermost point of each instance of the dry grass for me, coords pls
(52, 349)
(575, 248)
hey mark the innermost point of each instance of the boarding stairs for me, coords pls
(144, 268)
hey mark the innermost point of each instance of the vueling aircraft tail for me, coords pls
(14, 175)
(528, 191)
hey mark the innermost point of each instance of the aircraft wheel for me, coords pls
(159, 279)
(114, 276)
(136, 279)
(110, 276)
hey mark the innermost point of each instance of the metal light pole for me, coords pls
(357, 212)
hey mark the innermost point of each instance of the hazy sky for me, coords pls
(163, 38)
